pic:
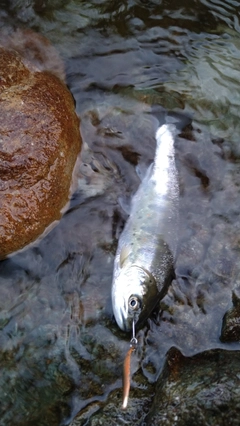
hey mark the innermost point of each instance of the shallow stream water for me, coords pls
(126, 63)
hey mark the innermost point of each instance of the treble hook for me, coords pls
(126, 367)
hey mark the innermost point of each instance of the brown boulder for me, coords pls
(39, 143)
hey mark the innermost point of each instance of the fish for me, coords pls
(144, 261)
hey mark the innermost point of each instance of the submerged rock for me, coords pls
(231, 322)
(39, 143)
(200, 390)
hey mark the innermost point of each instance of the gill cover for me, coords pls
(149, 298)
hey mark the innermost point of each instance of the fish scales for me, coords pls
(143, 266)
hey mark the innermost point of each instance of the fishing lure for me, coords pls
(127, 368)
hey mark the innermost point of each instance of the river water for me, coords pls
(126, 62)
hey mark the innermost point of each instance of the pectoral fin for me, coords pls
(125, 204)
(125, 252)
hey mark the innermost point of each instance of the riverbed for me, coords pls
(130, 65)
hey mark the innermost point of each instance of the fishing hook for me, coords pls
(133, 341)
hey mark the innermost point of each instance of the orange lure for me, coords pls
(127, 376)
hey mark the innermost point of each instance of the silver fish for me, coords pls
(143, 266)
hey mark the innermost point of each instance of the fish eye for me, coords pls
(133, 303)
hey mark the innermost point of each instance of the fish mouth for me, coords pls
(122, 321)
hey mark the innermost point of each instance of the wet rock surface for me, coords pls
(200, 390)
(39, 140)
(231, 321)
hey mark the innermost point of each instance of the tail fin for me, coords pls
(179, 119)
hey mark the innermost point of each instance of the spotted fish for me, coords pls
(144, 261)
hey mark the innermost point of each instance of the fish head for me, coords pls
(134, 295)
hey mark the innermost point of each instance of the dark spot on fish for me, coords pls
(152, 206)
